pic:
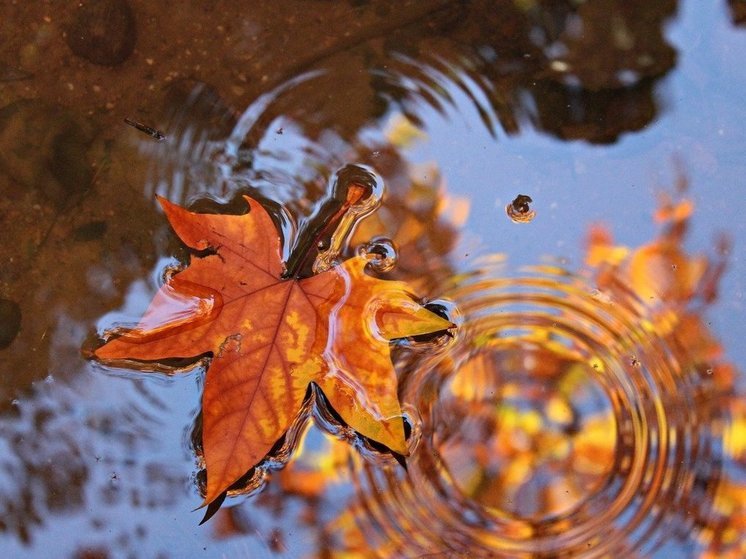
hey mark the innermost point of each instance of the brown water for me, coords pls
(592, 403)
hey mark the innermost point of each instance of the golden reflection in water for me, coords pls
(576, 415)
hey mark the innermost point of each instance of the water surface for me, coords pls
(595, 110)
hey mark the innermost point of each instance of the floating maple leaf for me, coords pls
(270, 337)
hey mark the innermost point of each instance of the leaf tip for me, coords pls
(163, 202)
(401, 448)
(253, 204)
(98, 353)
(166, 204)
(212, 507)
(401, 459)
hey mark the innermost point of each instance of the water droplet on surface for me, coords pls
(519, 210)
(380, 253)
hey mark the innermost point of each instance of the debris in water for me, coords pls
(152, 132)
(519, 210)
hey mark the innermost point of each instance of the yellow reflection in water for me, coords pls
(577, 415)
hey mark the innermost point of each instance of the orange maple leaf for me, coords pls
(270, 337)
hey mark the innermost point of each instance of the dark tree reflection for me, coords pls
(577, 71)
(574, 70)
(737, 11)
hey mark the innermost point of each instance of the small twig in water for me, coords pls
(152, 132)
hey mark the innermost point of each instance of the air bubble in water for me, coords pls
(380, 253)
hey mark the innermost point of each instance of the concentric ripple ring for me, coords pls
(562, 422)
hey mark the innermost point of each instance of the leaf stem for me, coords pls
(352, 185)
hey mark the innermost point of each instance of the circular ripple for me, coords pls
(562, 422)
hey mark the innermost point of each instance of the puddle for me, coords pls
(592, 400)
